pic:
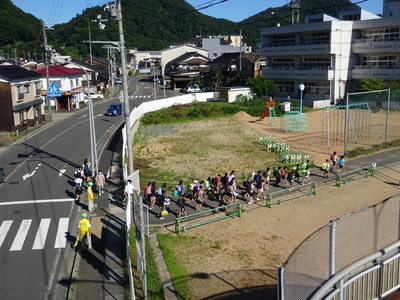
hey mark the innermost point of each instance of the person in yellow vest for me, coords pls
(325, 169)
(90, 196)
(84, 230)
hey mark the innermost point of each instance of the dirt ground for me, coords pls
(237, 258)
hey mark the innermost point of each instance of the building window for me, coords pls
(282, 40)
(285, 86)
(26, 89)
(77, 82)
(283, 63)
(316, 63)
(71, 82)
(38, 87)
(22, 118)
(20, 92)
(317, 88)
(379, 62)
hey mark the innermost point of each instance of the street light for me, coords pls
(301, 87)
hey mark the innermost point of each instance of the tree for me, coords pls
(270, 87)
(259, 85)
(216, 78)
(371, 84)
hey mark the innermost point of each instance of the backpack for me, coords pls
(78, 185)
(78, 172)
(180, 202)
(160, 191)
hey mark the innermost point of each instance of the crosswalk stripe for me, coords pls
(5, 226)
(41, 234)
(62, 230)
(21, 235)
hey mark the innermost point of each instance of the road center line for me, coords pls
(35, 201)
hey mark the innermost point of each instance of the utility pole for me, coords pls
(90, 47)
(125, 89)
(46, 49)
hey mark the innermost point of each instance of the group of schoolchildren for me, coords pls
(224, 189)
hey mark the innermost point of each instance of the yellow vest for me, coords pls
(84, 226)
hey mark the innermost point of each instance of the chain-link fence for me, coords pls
(336, 245)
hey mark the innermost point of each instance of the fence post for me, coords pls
(313, 189)
(178, 226)
(338, 180)
(281, 288)
(268, 203)
(372, 169)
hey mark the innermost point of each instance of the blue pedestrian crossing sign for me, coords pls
(53, 90)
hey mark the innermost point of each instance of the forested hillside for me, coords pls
(148, 25)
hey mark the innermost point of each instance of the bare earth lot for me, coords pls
(237, 257)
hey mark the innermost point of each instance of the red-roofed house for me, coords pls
(69, 81)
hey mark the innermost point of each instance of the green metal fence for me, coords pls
(298, 191)
(230, 210)
(364, 172)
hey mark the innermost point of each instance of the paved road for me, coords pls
(37, 208)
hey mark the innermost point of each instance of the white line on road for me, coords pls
(5, 227)
(35, 201)
(61, 233)
(21, 235)
(41, 234)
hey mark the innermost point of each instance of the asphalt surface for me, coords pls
(96, 273)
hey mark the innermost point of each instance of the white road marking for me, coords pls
(28, 175)
(84, 116)
(61, 173)
(5, 226)
(41, 234)
(62, 230)
(36, 201)
(21, 235)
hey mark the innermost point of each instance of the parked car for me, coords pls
(114, 109)
(118, 80)
(96, 96)
(208, 89)
(193, 88)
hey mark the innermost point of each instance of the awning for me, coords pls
(25, 105)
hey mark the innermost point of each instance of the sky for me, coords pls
(61, 11)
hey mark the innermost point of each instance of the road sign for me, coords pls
(53, 90)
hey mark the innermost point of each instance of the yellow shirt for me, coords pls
(84, 226)
(89, 193)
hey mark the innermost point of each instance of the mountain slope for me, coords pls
(148, 25)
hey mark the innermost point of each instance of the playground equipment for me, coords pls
(290, 193)
(355, 174)
(229, 211)
(269, 110)
(293, 121)
(333, 123)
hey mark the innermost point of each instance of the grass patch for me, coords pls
(359, 151)
(170, 245)
(154, 290)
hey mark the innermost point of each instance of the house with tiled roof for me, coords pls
(69, 81)
(21, 105)
(184, 68)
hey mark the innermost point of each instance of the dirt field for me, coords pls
(237, 257)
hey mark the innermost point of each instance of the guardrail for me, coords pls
(311, 191)
(236, 212)
(359, 173)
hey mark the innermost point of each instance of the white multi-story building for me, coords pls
(329, 56)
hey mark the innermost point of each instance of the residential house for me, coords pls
(68, 80)
(243, 64)
(170, 54)
(183, 69)
(102, 70)
(217, 45)
(20, 101)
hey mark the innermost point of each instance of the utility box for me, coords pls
(285, 106)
